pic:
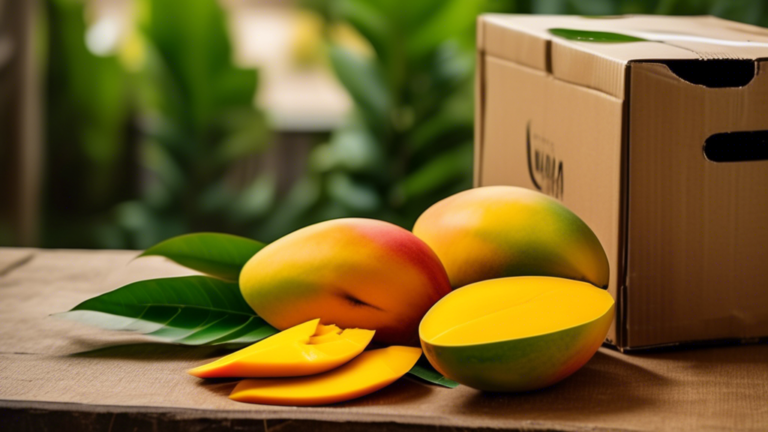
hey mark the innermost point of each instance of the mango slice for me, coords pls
(367, 373)
(516, 334)
(305, 349)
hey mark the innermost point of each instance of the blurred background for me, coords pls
(126, 122)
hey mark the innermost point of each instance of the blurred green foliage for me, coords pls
(142, 146)
(196, 119)
(88, 161)
(175, 99)
(409, 141)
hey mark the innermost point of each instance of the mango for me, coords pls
(355, 273)
(516, 334)
(501, 231)
(370, 371)
(305, 349)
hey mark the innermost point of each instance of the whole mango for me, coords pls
(500, 231)
(355, 273)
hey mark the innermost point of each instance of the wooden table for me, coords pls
(61, 375)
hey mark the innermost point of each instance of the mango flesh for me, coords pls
(370, 371)
(306, 349)
(500, 231)
(516, 334)
(355, 273)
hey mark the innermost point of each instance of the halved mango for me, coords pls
(305, 349)
(517, 333)
(370, 371)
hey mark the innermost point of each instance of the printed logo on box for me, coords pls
(545, 169)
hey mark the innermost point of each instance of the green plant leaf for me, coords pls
(426, 372)
(441, 170)
(219, 255)
(594, 36)
(191, 310)
(448, 21)
(366, 17)
(235, 87)
(362, 79)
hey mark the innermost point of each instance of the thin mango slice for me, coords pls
(367, 373)
(305, 349)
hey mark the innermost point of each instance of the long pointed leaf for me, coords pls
(191, 310)
(219, 255)
(594, 36)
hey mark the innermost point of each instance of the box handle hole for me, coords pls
(737, 146)
(714, 73)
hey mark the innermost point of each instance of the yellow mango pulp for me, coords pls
(370, 371)
(305, 349)
(518, 333)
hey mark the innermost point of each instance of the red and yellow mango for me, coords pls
(306, 349)
(370, 371)
(516, 334)
(355, 273)
(501, 231)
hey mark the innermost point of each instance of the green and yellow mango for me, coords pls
(501, 231)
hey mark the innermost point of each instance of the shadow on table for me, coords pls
(607, 384)
(707, 357)
(401, 392)
(218, 386)
(153, 351)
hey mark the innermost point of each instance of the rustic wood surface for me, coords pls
(61, 375)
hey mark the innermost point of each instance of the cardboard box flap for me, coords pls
(529, 40)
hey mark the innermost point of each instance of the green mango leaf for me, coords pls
(594, 36)
(219, 255)
(191, 310)
(426, 372)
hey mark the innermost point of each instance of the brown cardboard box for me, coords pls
(661, 146)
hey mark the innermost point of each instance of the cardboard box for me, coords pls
(660, 145)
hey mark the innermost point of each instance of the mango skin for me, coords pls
(355, 273)
(500, 231)
(521, 364)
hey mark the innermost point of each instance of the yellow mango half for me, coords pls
(370, 371)
(516, 334)
(305, 349)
